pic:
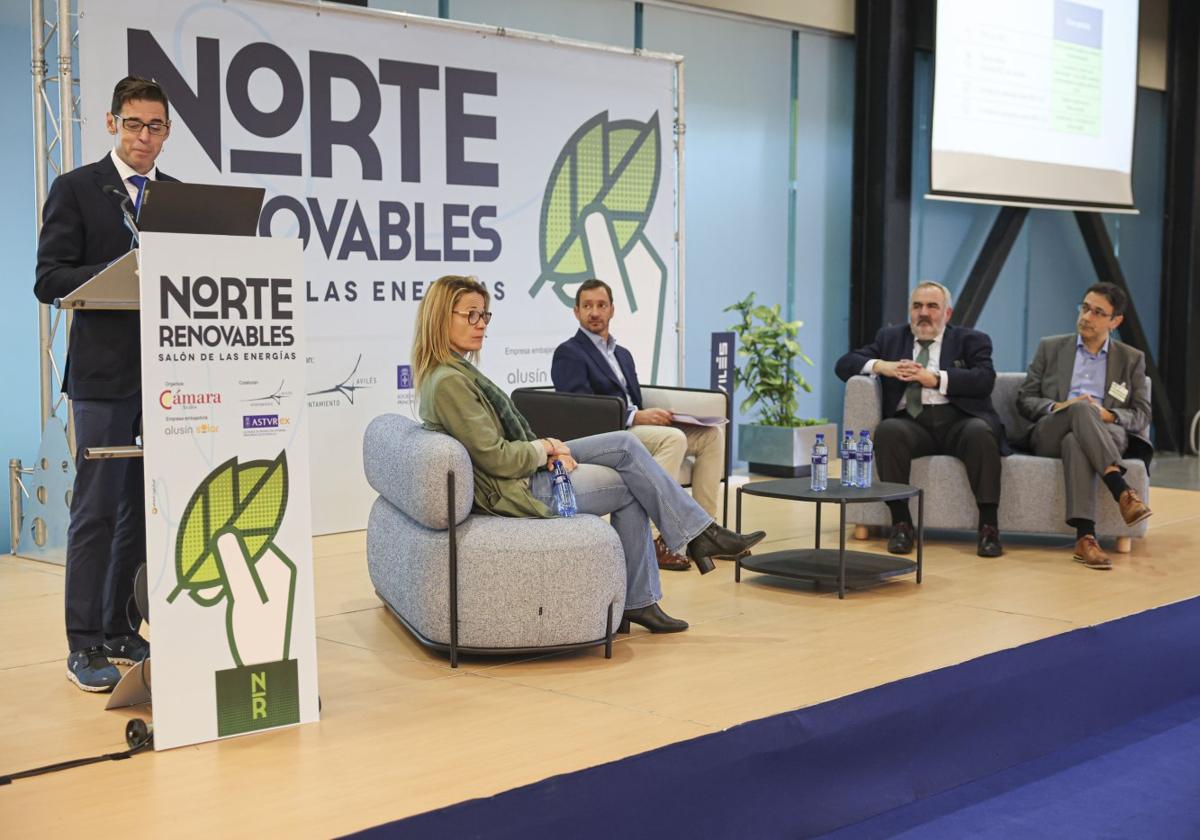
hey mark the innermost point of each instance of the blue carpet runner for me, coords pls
(830, 766)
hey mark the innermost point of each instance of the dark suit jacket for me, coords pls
(1048, 381)
(82, 232)
(579, 368)
(966, 358)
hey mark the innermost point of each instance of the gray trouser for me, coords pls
(1087, 445)
(617, 476)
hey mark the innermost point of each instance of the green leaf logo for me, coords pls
(247, 499)
(608, 166)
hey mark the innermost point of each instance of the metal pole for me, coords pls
(680, 238)
(66, 86)
(66, 139)
(14, 501)
(37, 28)
(790, 300)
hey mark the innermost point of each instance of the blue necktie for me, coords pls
(138, 181)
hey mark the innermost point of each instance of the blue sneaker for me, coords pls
(90, 669)
(126, 650)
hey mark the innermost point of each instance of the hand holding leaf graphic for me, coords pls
(597, 203)
(225, 550)
(258, 615)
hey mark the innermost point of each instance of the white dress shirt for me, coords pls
(125, 170)
(608, 349)
(929, 396)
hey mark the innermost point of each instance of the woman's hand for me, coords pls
(554, 446)
(569, 463)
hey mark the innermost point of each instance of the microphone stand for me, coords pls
(126, 211)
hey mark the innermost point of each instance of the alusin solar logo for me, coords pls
(597, 202)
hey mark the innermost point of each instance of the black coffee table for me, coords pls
(855, 569)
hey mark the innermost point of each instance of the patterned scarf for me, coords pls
(516, 427)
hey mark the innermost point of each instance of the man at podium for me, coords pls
(83, 231)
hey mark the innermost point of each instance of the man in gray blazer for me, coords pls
(1087, 398)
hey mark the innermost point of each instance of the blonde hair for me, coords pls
(431, 338)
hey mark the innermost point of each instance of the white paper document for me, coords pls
(692, 420)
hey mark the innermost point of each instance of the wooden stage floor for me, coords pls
(402, 733)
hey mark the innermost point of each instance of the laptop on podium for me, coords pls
(170, 207)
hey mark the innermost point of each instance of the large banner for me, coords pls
(228, 534)
(400, 149)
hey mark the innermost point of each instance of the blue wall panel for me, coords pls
(736, 98)
(825, 164)
(19, 432)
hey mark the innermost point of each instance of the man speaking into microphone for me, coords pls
(83, 231)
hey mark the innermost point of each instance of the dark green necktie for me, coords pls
(912, 398)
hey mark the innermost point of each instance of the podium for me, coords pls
(228, 520)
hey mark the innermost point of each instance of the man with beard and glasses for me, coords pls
(937, 400)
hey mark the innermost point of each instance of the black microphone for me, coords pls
(126, 209)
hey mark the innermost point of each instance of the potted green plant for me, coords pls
(781, 442)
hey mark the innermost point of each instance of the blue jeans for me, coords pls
(617, 476)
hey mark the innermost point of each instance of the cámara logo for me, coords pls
(169, 398)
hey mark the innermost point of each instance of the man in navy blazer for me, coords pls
(937, 399)
(82, 233)
(591, 362)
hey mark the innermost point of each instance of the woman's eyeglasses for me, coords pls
(474, 316)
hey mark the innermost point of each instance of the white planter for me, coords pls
(782, 451)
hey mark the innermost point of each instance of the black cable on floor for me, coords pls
(138, 736)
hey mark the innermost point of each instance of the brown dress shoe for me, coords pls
(668, 560)
(1089, 553)
(1133, 509)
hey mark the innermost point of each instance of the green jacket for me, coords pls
(451, 403)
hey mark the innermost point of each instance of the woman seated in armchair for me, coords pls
(611, 473)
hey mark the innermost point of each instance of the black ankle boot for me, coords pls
(715, 542)
(653, 619)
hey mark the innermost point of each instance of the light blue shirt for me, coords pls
(1090, 371)
(608, 349)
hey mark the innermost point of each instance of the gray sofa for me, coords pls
(1032, 495)
(469, 583)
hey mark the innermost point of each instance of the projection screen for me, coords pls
(1034, 102)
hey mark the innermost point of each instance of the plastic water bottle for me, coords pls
(866, 456)
(819, 473)
(564, 493)
(849, 453)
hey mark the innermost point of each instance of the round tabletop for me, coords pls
(800, 489)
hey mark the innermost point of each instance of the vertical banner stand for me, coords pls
(225, 452)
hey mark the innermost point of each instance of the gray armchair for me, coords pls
(471, 583)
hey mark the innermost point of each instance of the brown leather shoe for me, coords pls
(1089, 553)
(668, 560)
(1133, 509)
